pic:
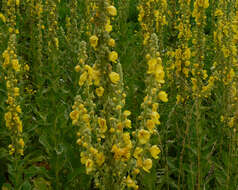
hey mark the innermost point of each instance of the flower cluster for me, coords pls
(12, 70)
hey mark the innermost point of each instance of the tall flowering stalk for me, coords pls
(105, 146)
(108, 149)
(152, 18)
(225, 38)
(199, 74)
(152, 15)
(12, 71)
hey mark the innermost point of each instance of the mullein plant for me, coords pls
(179, 72)
(199, 76)
(152, 12)
(225, 38)
(12, 71)
(112, 151)
(182, 55)
(152, 18)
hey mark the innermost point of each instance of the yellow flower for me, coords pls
(2, 17)
(99, 91)
(125, 154)
(114, 77)
(126, 137)
(83, 157)
(19, 127)
(112, 10)
(155, 117)
(128, 123)
(18, 109)
(89, 165)
(77, 68)
(155, 106)
(231, 122)
(147, 165)
(16, 91)
(136, 171)
(150, 124)
(163, 96)
(137, 152)
(12, 149)
(26, 67)
(74, 115)
(15, 65)
(83, 78)
(159, 73)
(113, 56)
(21, 142)
(108, 26)
(8, 116)
(152, 64)
(222, 118)
(102, 124)
(131, 183)
(93, 41)
(85, 118)
(154, 150)
(219, 12)
(126, 113)
(143, 136)
(100, 158)
(111, 42)
(206, 4)
(116, 151)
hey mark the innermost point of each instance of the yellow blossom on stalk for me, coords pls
(100, 158)
(108, 26)
(18, 109)
(131, 184)
(89, 165)
(147, 165)
(150, 124)
(128, 123)
(99, 91)
(93, 41)
(126, 113)
(143, 136)
(152, 65)
(11, 68)
(154, 150)
(111, 42)
(15, 65)
(137, 152)
(83, 78)
(112, 10)
(159, 73)
(163, 96)
(21, 142)
(16, 91)
(74, 115)
(2, 17)
(155, 117)
(11, 149)
(77, 68)
(102, 124)
(114, 77)
(113, 56)
(17, 2)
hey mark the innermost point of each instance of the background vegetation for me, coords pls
(198, 131)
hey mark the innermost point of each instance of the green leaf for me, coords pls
(26, 186)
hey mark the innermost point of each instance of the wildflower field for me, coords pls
(118, 94)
